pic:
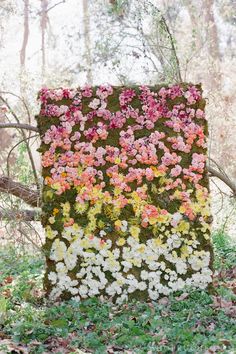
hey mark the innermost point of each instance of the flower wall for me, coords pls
(125, 196)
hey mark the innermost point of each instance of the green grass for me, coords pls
(188, 325)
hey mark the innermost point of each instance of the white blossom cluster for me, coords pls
(105, 269)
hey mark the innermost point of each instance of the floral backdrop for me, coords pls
(125, 198)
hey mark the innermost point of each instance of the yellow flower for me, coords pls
(76, 227)
(158, 242)
(183, 227)
(182, 209)
(152, 221)
(50, 233)
(66, 208)
(81, 207)
(174, 254)
(177, 194)
(142, 248)
(135, 262)
(206, 211)
(85, 243)
(157, 173)
(48, 194)
(117, 191)
(184, 252)
(118, 224)
(117, 160)
(206, 236)
(135, 231)
(101, 224)
(121, 241)
(205, 227)
(161, 190)
(106, 198)
(162, 218)
(56, 185)
(55, 211)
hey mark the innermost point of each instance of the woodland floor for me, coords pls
(189, 322)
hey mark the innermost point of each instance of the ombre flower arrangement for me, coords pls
(125, 199)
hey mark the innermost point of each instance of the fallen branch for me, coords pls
(31, 197)
(19, 126)
(19, 215)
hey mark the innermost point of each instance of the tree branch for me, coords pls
(19, 215)
(31, 197)
(19, 126)
(223, 177)
(27, 144)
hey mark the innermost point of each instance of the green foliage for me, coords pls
(23, 167)
(225, 250)
(184, 323)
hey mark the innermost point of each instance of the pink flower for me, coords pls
(48, 159)
(126, 96)
(149, 174)
(170, 159)
(192, 95)
(87, 91)
(198, 162)
(176, 171)
(104, 91)
(200, 113)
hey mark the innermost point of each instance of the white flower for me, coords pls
(70, 260)
(127, 265)
(176, 217)
(52, 276)
(144, 275)
(55, 293)
(58, 250)
(61, 268)
(73, 291)
(153, 294)
(124, 225)
(142, 285)
(76, 298)
(83, 290)
(121, 299)
(181, 267)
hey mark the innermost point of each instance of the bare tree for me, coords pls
(87, 41)
(43, 25)
(25, 35)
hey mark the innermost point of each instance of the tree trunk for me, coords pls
(213, 45)
(43, 24)
(26, 34)
(87, 40)
(24, 45)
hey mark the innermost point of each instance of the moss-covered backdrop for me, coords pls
(125, 195)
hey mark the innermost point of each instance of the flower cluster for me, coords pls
(125, 197)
